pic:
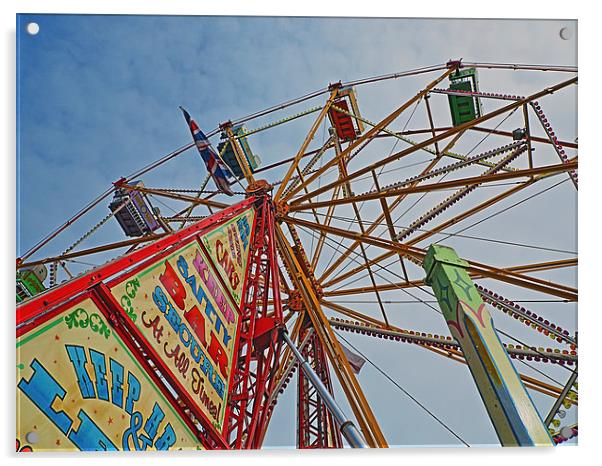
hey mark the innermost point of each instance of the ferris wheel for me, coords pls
(435, 223)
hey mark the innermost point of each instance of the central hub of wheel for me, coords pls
(282, 209)
(258, 187)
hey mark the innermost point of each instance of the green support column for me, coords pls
(508, 404)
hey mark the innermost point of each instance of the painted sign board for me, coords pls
(183, 313)
(228, 246)
(79, 387)
(510, 408)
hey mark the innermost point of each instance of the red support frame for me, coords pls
(315, 425)
(253, 381)
(57, 295)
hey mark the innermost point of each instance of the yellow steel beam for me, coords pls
(390, 226)
(464, 215)
(178, 197)
(370, 134)
(239, 154)
(543, 170)
(353, 314)
(295, 164)
(94, 250)
(317, 155)
(439, 137)
(489, 271)
(367, 239)
(453, 221)
(359, 404)
(458, 356)
(453, 142)
(322, 238)
(347, 192)
(540, 266)
(345, 254)
(396, 202)
(533, 283)
(519, 269)
(431, 124)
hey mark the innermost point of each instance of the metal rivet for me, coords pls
(566, 33)
(31, 437)
(32, 28)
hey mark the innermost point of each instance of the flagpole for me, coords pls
(194, 128)
(219, 155)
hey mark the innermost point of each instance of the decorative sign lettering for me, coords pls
(80, 388)
(184, 313)
(228, 246)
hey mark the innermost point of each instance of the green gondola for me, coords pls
(464, 108)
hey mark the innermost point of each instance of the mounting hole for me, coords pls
(566, 33)
(31, 437)
(32, 28)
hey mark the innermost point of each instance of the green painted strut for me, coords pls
(508, 404)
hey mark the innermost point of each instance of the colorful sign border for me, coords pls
(129, 316)
(76, 315)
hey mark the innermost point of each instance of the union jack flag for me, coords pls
(217, 169)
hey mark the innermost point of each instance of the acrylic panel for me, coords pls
(278, 232)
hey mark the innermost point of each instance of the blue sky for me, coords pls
(98, 98)
(101, 93)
